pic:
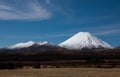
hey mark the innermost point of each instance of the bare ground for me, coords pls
(62, 72)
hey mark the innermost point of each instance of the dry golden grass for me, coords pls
(62, 72)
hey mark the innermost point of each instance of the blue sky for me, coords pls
(57, 20)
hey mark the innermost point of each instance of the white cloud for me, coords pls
(32, 11)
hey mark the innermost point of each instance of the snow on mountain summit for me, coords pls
(44, 43)
(28, 44)
(84, 40)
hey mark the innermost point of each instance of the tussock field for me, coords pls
(62, 72)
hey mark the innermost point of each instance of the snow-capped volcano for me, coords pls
(28, 44)
(84, 40)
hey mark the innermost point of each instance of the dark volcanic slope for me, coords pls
(40, 54)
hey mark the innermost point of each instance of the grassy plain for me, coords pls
(62, 72)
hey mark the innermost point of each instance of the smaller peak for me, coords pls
(30, 42)
(22, 45)
(44, 43)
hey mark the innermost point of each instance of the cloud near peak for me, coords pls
(32, 11)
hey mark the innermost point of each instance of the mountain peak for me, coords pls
(85, 33)
(84, 40)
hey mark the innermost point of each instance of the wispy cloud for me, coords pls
(56, 7)
(102, 29)
(48, 1)
(36, 37)
(33, 10)
(108, 32)
(109, 29)
(59, 35)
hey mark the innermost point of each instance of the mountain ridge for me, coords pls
(28, 44)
